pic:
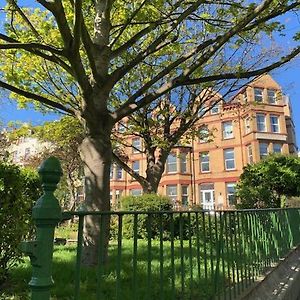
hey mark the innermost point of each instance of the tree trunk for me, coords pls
(154, 171)
(96, 154)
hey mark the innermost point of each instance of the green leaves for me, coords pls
(266, 183)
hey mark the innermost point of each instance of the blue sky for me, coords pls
(288, 77)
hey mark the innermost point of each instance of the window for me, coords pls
(215, 109)
(136, 145)
(229, 159)
(261, 122)
(277, 148)
(230, 189)
(274, 120)
(172, 193)
(121, 127)
(204, 162)
(119, 172)
(271, 96)
(227, 130)
(202, 111)
(15, 155)
(184, 195)
(118, 196)
(136, 166)
(183, 168)
(171, 163)
(250, 154)
(203, 134)
(245, 97)
(136, 192)
(111, 174)
(247, 125)
(27, 153)
(258, 95)
(263, 150)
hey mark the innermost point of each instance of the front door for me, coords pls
(208, 200)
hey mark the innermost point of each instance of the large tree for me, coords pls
(102, 60)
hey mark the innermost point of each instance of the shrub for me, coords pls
(19, 188)
(147, 203)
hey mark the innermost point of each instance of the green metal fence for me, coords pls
(187, 255)
(163, 255)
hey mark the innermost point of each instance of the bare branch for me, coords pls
(240, 75)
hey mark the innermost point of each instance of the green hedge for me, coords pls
(146, 202)
(19, 188)
(185, 225)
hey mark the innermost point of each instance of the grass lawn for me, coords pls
(189, 281)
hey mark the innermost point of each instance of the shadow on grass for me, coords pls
(181, 276)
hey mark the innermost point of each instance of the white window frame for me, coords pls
(136, 169)
(27, 153)
(245, 97)
(203, 163)
(183, 163)
(247, 125)
(273, 97)
(136, 192)
(274, 126)
(259, 123)
(111, 173)
(274, 147)
(227, 132)
(119, 171)
(171, 163)
(184, 195)
(258, 97)
(136, 145)
(262, 155)
(229, 193)
(250, 153)
(215, 109)
(203, 130)
(121, 127)
(228, 160)
(172, 193)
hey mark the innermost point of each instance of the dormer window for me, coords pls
(272, 96)
(215, 109)
(258, 95)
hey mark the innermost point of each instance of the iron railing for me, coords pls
(186, 255)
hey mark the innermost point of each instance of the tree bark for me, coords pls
(96, 153)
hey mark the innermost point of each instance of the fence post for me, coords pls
(46, 214)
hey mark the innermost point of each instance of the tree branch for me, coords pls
(241, 75)
(31, 47)
(155, 45)
(35, 97)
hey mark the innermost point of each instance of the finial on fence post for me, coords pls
(46, 214)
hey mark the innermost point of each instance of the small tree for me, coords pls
(269, 182)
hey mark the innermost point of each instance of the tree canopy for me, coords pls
(268, 182)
